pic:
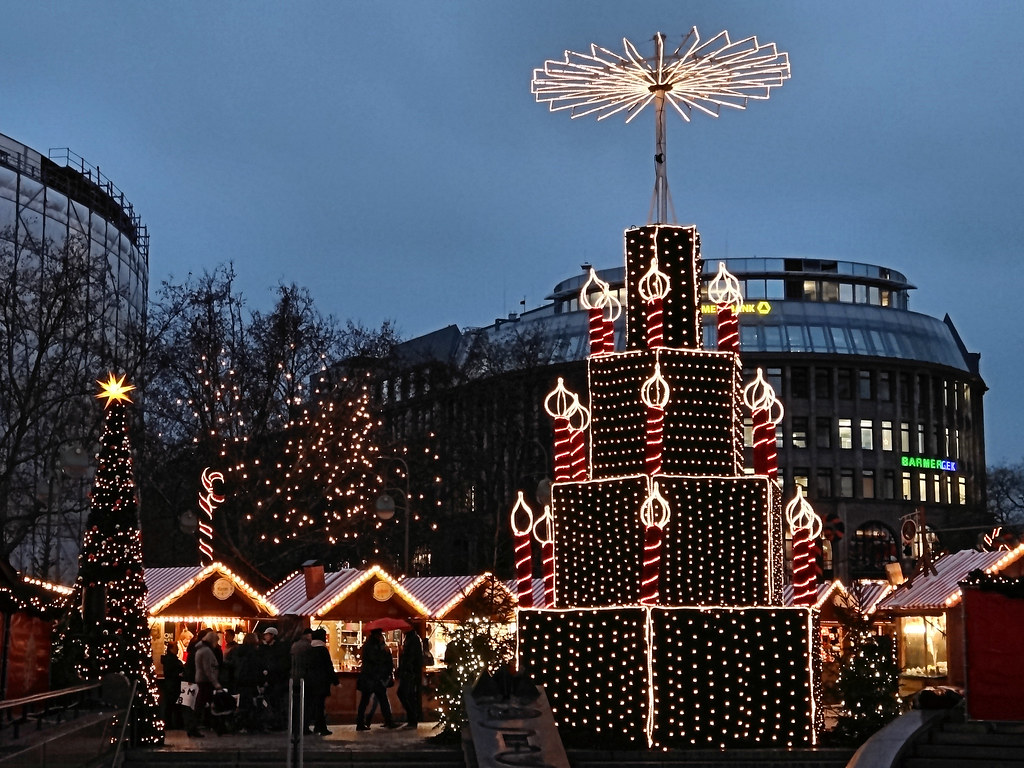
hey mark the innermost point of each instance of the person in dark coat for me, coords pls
(250, 677)
(376, 675)
(317, 670)
(170, 686)
(410, 677)
(276, 657)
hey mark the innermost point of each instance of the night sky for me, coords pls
(390, 157)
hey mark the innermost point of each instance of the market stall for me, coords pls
(184, 599)
(344, 602)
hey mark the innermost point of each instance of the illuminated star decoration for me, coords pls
(703, 76)
(114, 390)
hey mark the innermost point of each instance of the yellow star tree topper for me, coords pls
(114, 389)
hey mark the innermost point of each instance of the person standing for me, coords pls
(250, 677)
(207, 680)
(276, 659)
(170, 686)
(410, 677)
(376, 675)
(318, 672)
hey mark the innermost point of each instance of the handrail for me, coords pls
(26, 702)
(36, 697)
(124, 725)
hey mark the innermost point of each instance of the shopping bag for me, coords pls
(187, 697)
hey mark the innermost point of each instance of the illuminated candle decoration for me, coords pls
(655, 395)
(654, 515)
(724, 291)
(208, 502)
(521, 513)
(767, 413)
(699, 650)
(571, 419)
(603, 311)
(543, 531)
(653, 288)
(806, 527)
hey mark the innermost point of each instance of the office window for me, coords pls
(889, 484)
(905, 437)
(846, 434)
(922, 487)
(822, 384)
(865, 386)
(823, 484)
(886, 435)
(906, 487)
(799, 431)
(800, 475)
(962, 489)
(774, 377)
(846, 483)
(884, 386)
(844, 386)
(823, 432)
(920, 438)
(748, 431)
(906, 389)
(936, 488)
(799, 383)
(867, 484)
(867, 434)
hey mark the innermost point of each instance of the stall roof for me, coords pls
(870, 592)
(827, 590)
(290, 594)
(165, 585)
(441, 594)
(936, 592)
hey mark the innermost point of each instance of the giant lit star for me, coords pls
(114, 389)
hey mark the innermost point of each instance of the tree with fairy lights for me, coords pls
(107, 630)
(868, 686)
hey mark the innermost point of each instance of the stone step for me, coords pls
(160, 758)
(710, 758)
(977, 739)
(969, 752)
(958, 762)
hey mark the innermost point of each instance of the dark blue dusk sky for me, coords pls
(390, 157)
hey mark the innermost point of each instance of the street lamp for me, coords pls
(385, 506)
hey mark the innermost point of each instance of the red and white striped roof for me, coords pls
(936, 592)
(441, 594)
(165, 585)
(290, 595)
(826, 591)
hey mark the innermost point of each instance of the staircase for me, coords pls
(969, 745)
(338, 758)
(712, 758)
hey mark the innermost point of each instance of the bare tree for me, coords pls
(1006, 494)
(55, 340)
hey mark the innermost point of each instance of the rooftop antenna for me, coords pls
(702, 76)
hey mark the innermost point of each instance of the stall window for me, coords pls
(924, 646)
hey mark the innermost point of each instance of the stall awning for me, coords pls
(827, 590)
(198, 591)
(456, 597)
(349, 594)
(926, 591)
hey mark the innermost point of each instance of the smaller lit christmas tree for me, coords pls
(108, 618)
(869, 686)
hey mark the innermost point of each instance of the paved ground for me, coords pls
(342, 738)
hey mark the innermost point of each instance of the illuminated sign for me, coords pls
(922, 462)
(749, 308)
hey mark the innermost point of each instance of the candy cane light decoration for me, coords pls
(806, 527)
(602, 313)
(767, 413)
(208, 502)
(724, 291)
(653, 288)
(523, 549)
(571, 421)
(655, 395)
(654, 514)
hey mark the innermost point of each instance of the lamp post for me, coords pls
(385, 506)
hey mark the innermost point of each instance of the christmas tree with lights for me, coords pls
(108, 629)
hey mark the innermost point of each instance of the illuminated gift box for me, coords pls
(674, 677)
(722, 544)
(702, 427)
(678, 251)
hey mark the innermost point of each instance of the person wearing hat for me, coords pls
(376, 675)
(207, 680)
(319, 676)
(410, 677)
(276, 659)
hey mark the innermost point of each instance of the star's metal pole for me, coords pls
(660, 173)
